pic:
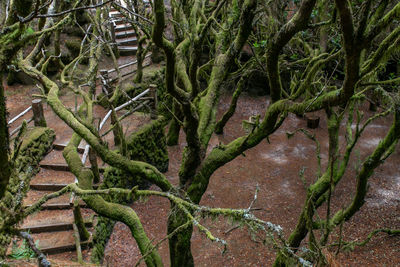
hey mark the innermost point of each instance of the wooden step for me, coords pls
(33, 196)
(47, 176)
(131, 41)
(127, 50)
(55, 227)
(51, 187)
(119, 21)
(115, 14)
(58, 206)
(45, 217)
(66, 248)
(59, 242)
(61, 167)
(61, 202)
(124, 27)
(55, 166)
(47, 187)
(125, 34)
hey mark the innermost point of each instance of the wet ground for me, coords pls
(274, 167)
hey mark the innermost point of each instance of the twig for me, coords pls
(231, 229)
(73, 10)
(43, 262)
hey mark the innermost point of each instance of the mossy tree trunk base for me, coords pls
(179, 243)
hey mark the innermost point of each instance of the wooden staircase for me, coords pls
(123, 34)
(52, 226)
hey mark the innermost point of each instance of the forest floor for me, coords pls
(274, 167)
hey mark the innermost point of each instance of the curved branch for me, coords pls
(143, 169)
(297, 23)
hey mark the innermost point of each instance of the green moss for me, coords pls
(113, 178)
(35, 145)
(74, 46)
(12, 78)
(102, 100)
(103, 230)
(173, 133)
(149, 145)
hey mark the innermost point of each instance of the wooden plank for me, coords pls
(57, 206)
(47, 187)
(38, 113)
(52, 187)
(66, 248)
(52, 227)
(19, 115)
(78, 244)
(60, 167)
(56, 167)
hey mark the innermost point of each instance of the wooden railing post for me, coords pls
(105, 82)
(38, 114)
(153, 94)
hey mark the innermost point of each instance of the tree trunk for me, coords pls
(80, 223)
(140, 59)
(173, 133)
(179, 243)
(174, 127)
(4, 142)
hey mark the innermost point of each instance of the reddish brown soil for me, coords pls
(274, 167)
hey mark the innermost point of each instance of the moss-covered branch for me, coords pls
(208, 103)
(219, 127)
(110, 210)
(367, 169)
(143, 169)
(297, 23)
(353, 244)
(5, 164)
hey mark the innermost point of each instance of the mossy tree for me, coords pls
(368, 39)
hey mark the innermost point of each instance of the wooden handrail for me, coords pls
(19, 115)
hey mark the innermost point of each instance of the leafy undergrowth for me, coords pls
(22, 251)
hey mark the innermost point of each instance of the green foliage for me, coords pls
(23, 251)
(27, 32)
(74, 46)
(149, 145)
(261, 44)
(294, 56)
(34, 146)
(103, 231)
